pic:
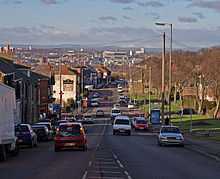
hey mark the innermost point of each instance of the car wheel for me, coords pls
(35, 143)
(32, 143)
(15, 152)
(3, 154)
(84, 148)
(129, 133)
(56, 149)
(159, 143)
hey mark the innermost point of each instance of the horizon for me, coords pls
(121, 23)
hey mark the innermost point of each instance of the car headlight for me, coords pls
(163, 137)
(179, 138)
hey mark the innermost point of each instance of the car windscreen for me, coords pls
(47, 125)
(141, 122)
(170, 130)
(21, 129)
(116, 111)
(122, 122)
(69, 130)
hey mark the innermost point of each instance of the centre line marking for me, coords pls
(120, 164)
(85, 175)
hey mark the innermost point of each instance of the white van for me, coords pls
(122, 124)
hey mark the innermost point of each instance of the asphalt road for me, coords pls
(137, 156)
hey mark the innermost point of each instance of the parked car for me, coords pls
(122, 124)
(26, 135)
(95, 95)
(187, 111)
(170, 135)
(100, 113)
(49, 126)
(70, 136)
(131, 106)
(42, 132)
(115, 112)
(94, 102)
(117, 105)
(140, 123)
(59, 122)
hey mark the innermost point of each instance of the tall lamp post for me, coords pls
(170, 62)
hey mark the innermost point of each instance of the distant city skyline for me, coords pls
(127, 23)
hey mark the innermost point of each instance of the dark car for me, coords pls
(26, 135)
(70, 136)
(100, 113)
(187, 111)
(42, 132)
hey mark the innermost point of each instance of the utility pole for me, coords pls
(149, 92)
(170, 68)
(163, 75)
(61, 93)
(142, 80)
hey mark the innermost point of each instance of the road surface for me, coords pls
(123, 157)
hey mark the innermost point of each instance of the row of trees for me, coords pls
(200, 70)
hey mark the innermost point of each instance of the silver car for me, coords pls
(170, 135)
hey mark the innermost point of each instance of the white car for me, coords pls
(117, 105)
(131, 106)
(170, 135)
(115, 112)
(122, 124)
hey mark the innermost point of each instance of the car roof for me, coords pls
(122, 117)
(169, 126)
(71, 123)
(39, 126)
(43, 123)
(140, 118)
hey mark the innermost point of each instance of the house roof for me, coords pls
(7, 66)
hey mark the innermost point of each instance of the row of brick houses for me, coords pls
(37, 88)
(33, 90)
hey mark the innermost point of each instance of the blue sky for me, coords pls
(110, 22)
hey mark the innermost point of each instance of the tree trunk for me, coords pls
(175, 93)
(217, 108)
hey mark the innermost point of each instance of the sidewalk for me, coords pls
(210, 149)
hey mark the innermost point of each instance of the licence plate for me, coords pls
(121, 130)
(69, 144)
(141, 127)
(20, 140)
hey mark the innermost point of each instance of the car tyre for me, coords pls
(114, 132)
(85, 148)
(56, 149)
(129, 133)
(3, 154)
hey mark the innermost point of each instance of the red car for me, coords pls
(140, 124)
(70, 135)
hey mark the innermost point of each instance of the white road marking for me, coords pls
(120, 164)
(126, 173)
(104, 172)
(85, 175)
(96, 177)
(115, 156)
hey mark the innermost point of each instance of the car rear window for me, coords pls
(21, 129)
(141, 122)
(170, 130)
(122, 122)
(116, 111)
(69, 130)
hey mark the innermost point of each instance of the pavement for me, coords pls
(111, 157)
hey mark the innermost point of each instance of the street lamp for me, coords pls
(170, 62)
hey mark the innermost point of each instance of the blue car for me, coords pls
(26, 135)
